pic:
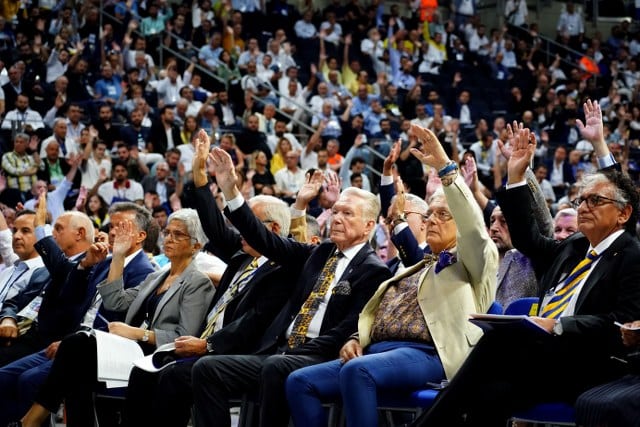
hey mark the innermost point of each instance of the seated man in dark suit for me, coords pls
(251, 292)
(337, 279)
(51, 319)
(19, 381)
(588, 281)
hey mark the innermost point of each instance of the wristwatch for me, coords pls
(145, 336)
(210, 347)
(399, 219)
(557, 328)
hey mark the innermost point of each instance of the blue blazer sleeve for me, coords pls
(386, 194)
(408, 249)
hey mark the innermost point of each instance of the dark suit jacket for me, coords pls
(58, 316)
(408, 249)
(149, 184)
(157, 142)
(45, 174)
(611, 292)
(364, 273)
(567, 171)
(250, 312)
(130, 136)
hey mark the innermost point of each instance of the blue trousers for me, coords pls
(19, 383)
(384, 366)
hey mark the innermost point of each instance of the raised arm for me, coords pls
(276, 248)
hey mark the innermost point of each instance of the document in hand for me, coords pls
(161, 358)
(489, 322)
(115, 358)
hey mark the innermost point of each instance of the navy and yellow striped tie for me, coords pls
(556, 306)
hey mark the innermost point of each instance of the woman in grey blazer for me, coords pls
(167, 304)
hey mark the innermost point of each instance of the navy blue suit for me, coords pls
(409, 250)
(20, 380)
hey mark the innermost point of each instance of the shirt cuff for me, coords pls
(43, 231)
(235, 203)
(386, 180)
(398, 228)
(297, 213)
(606, 161)
(517, 184)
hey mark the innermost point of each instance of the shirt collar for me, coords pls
(606, 242)
(351, 252)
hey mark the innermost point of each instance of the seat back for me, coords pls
(495, 308)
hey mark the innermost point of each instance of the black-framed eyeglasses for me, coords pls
(593, 201)
(440, 215)
(175, 235)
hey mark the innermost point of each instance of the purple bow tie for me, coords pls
(445, 259)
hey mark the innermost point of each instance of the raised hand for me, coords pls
(392, 158)
(399, 202)
(124, 238)
(592, 128)
(225, 172)
(203, 146)
(470, 173)
(333, 184)
(41, 210)
(521, 155)
(432, 153)
(309, 189)
(97, 252)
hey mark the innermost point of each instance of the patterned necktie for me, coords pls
(228, 295)
(556, 306)
(311, 305)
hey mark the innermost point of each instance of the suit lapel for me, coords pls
(173, 289)
(356, 261)
(144, 294)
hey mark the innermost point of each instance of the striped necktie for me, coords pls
(228, 296)
(556, 306)
(311, 305)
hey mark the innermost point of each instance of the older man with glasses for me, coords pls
(587, 282)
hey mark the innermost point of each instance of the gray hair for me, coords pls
(189, 217)
(592, 179)
(59, 120)
(22, 135)
(565, 212)
(142, 215)
(420, 205)
(369, 202)
(275, 210)
(79, 220)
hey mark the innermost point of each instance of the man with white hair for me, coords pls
(337, 278)
(67, 146)
(565, 223)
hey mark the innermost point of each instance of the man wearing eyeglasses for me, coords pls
(587, 282)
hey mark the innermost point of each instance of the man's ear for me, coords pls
(275, 227)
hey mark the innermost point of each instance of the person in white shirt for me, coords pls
(121, 188)
(304, 28)
(95, 161)
(516, 12)
(67, 145)
(331, 29)
(570, 22)
(290, 178)
(23, 118)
